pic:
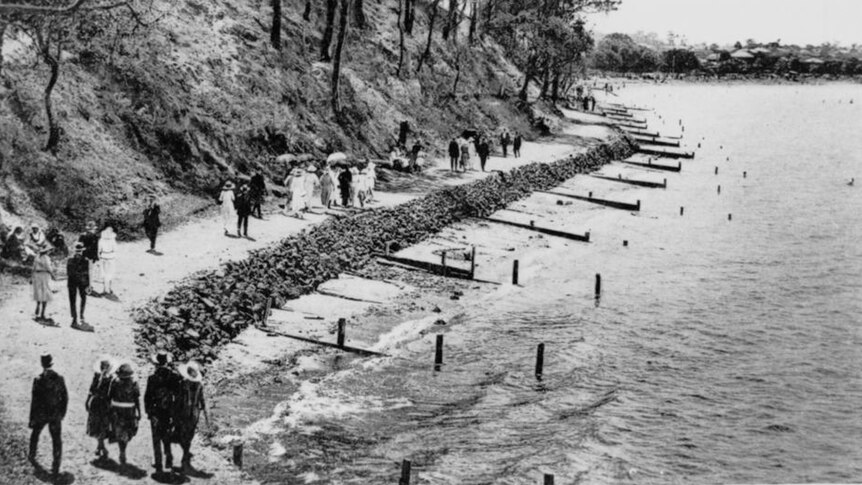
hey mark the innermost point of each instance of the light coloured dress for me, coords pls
(296, 189)
(228, 212)
(107, 255)
(327, 185)
(42, 271)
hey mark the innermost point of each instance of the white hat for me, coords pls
(112, 364)
(190, 371)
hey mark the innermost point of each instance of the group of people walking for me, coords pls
(238, 203)
(463, 150)
(173, 402)
(94, 251)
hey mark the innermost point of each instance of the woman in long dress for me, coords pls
(465, 156)
(125, 401)
(107, 255)
(296, 189)
(310, 185)
(98, 404)
(372, 179)
(228, 212)
(190, 404)
(354, 186)
(327, 185)
(43, 273)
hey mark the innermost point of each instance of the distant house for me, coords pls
(743, 55)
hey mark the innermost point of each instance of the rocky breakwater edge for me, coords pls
(219, 317)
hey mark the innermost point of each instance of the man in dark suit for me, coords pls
(160, 400)
(48, 407)
(77, 270)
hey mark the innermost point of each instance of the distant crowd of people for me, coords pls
(173, 403)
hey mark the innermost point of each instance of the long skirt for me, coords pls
(325, 195)
(124, 425)
(227, 215)
(41, 287)
(98, 423)
(109, 267)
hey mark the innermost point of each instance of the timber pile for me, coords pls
(207, 311)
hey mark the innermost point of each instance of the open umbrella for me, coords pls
(336, 157)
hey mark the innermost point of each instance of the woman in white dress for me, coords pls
(310, 184)
(228, 213)
(107, 258)
(296, 189)
(355, 182)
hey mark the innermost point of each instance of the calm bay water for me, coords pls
(721, 351)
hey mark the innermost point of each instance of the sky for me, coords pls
(727, 21)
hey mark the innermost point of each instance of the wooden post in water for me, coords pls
(639, 205)
(342, 322)
(730, 217)
(405, 473)
(620, 176)
(716, 170)
(591, 195)
(598, 286)
(540, 360)
(625, 243)
(744, 174)
(515, 273)
(443, 262)
(532, 223)
(549, 479)
(681, 210)
(438, 353)
(237, 455)
(665, 183)
(719, 189)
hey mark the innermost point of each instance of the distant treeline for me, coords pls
(620, 53)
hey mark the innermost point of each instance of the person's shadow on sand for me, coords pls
(62, 478)
(195, 473)
(127, 470)
(169, 477)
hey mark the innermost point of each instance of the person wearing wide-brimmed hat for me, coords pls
(160, 400)
(43, 273)
(108, 258)
(257, 191)
(125, 412)
(98, 403)
(48, 407)
(189, 407)
(310, 185)
(327, 185)
(228, 212)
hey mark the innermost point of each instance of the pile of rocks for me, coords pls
(198, 316)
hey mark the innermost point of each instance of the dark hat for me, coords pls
(126, 370)
(79, 246)
(47, 360)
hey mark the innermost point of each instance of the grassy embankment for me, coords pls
(201, 96)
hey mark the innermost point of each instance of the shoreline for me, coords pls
(147, 277)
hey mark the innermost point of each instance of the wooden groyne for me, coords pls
(649, 164)
(639, 183)
(639, 131)
(665, 153)
(607, 203)
(433, 268)
(542, 230)
(654, 140)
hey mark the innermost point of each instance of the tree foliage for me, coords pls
(619, 53)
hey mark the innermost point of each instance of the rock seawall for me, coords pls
(201, 314)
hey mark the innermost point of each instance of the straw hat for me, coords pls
(228, 185)
(97, 365)
(190, 371)
(126, 370)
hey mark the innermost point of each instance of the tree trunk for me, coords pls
(409, 16)
(275, 33)
(331, 8)
(343, 25)
(359, 14)
(555, 88)
(401, 14)
(434, 10)
(473, 14)
(546, 80)
(450, 20)
(522, 95)
(306, 14)
(53, 129)
(2, 36)
(457, 74)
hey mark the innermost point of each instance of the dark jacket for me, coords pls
(76, 270)
(151, 218)
(242, 203)
(454, 149)
(163, 388)
(91, 245)
(257, 187)
(517, 142)
(344, 179)
(50, 398)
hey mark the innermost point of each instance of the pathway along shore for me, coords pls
(191, 248)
